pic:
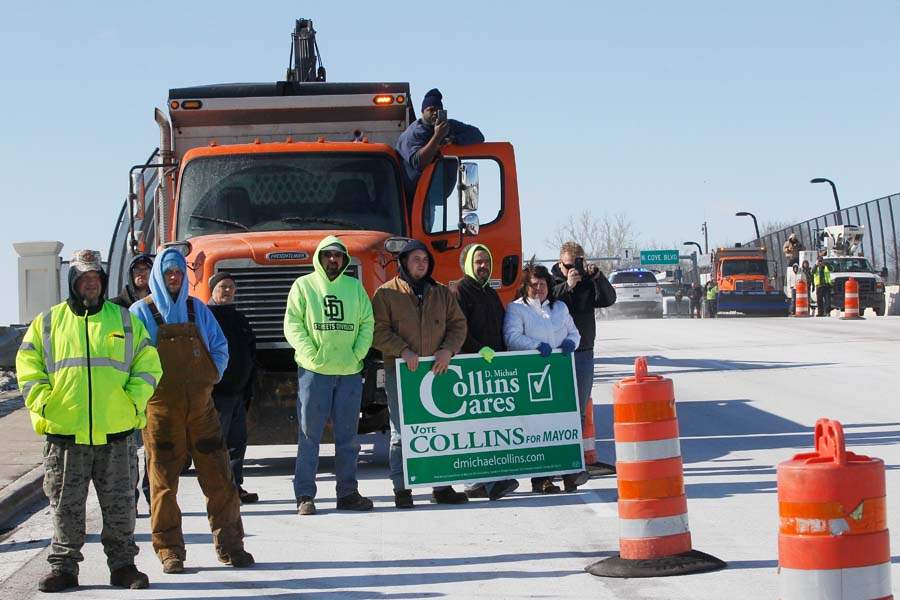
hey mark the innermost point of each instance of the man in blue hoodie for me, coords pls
(181, 417)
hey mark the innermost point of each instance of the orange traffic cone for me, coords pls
(851, 300)
(592, 464)
(833, 541)
(654, 537)
(802, 305)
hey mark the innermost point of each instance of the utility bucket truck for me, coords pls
(842, 246)
(249, 177)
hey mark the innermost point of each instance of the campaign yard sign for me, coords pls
(516, 416)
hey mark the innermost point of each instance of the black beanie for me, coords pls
(215, 279)
(433, 98)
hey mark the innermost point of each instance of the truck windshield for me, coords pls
(277, 192)
(744, 267)
(849, 265)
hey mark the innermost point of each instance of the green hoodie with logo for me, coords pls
(329, 323)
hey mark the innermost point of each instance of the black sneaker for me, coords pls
(448, 496)
(247, 497)
(502, 488)
(403, 499)
(57, 581)
(354, 502)
(129, 577)
(545, 486)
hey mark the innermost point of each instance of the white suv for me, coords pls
(637, 294)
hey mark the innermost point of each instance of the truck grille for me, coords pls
(865, 285)
(748, 286)
(262, 292)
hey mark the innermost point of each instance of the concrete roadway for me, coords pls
(748, 390)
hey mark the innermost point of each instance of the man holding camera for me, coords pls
(419, 144)
(584, 288)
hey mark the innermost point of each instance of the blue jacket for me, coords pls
(175, 311)
(418, 134)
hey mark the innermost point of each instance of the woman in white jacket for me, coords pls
(534, 321)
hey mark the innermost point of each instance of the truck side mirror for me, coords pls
(470, 224)
(468, 186)
(884, 272)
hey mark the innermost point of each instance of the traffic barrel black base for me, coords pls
(686, 563)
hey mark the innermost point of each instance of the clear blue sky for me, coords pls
(675, 113)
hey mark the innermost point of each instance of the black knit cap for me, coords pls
(215, 279)
(433, 97)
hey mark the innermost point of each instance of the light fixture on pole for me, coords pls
(837, 203)
(755, 224)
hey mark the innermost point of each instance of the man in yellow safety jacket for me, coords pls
(822, 282)
(86, 368)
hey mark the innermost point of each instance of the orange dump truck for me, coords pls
(248, 178)
(742, 277)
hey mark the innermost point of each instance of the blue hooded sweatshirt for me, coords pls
(175, 311)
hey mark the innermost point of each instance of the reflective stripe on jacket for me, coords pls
(87, 377)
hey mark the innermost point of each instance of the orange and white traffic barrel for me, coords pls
(833, 539)
(801, 307)
(654, 537)
(851, 300)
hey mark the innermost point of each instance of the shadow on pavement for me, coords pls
(661, 365)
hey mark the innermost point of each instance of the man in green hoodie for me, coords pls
(329, 324)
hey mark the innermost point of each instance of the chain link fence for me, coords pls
(880, 243)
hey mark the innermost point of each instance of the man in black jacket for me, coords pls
(232, 394)
(484, 317)
(137, 288)
(138, 285)
(584, 288)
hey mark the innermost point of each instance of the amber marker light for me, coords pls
(383, 99)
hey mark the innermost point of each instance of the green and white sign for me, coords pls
(659, 257)
(516, 416)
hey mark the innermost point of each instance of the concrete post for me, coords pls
(38, 277)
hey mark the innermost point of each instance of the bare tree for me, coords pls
(606, 235)
(773, 226)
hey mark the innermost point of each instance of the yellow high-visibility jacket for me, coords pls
(824, 278)
(87, 376)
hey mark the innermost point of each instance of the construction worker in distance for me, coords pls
(181, 417)
(792, 248)
(712, 291)
(484, 314)
(822, 281)
(328, 321)
(696, 297)
(86, 369)
(402, 331)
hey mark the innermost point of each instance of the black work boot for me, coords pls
(238, 558)
(448, 496)
(354, 501)
(57, 581)
(128, 577)
(403, 499)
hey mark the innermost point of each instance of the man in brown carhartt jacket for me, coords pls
(415, 316)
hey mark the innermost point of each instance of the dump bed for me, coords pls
(244, 112)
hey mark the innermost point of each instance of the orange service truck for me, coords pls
(742, 277)
(249, 177)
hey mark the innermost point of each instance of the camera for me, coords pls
(441, 116)
(579, 265)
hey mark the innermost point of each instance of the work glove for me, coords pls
(487, 353)
(568, 346)
(545, 349)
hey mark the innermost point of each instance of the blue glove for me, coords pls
(568, 346)
(545, 349)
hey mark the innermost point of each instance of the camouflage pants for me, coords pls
(68, 469)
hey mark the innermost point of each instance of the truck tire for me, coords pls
(879, 311)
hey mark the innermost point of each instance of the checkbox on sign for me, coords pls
(539, 386)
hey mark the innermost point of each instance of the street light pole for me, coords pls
(694, 257)
(699, 249)
(755, 224)
(705, 232)
(837, 204)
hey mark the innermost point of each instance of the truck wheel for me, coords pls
(879, 311)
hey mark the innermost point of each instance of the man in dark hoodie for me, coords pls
(138, 287)
(421, 142)
(402, 331)
(232, 394)
(87, 369)
(484, 314)
(584, 288)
